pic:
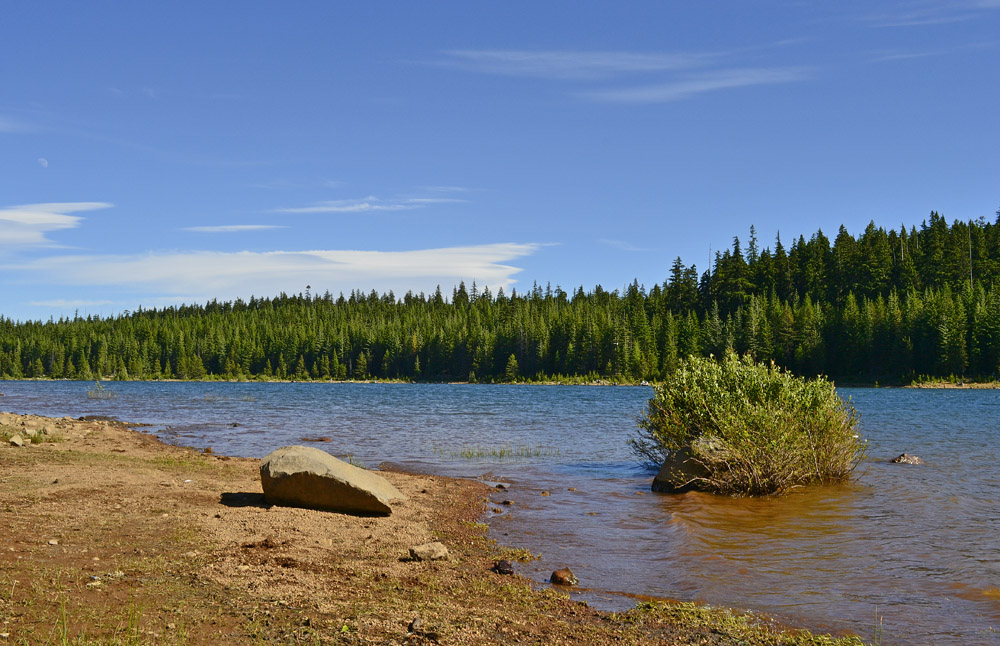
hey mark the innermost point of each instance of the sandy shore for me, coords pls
(970, 385)
(112, 537)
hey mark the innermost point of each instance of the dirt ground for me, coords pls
(108, 536)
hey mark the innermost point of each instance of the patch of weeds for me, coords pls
(98, 391)
(746, 629)
(474, 524)
(504, 452)
(7, 432)
(128, 631)
(184, 534)
(181, 462)
(518, 554)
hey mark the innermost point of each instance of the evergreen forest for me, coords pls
(891, 306)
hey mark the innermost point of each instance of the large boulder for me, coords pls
(683, 471)
(301, 476)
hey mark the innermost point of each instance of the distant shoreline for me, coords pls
(928, 385)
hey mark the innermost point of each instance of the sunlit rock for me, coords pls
(301, 476)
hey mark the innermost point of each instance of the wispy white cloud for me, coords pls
(892, 56)
(685, 88)
(578, 65)
(889, 57)
(664, 77)
(26, 225)
(234, 228)
(924, 13)
(212, 274)
(369, 204)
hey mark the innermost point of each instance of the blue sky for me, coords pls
(154, 154)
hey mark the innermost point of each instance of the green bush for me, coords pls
(755, 428)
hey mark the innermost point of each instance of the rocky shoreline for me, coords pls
(115, 537)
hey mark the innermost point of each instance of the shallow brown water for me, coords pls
(916, 546)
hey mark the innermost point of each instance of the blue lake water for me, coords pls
(918, 545)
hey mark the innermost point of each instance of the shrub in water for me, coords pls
(750, 428)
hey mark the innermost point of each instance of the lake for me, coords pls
(918, 545)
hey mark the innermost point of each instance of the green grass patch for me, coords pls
(99, 391)
(518, 554)
(499, 453)
(751, 630)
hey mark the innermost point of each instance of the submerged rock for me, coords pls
(906, 458)
(301, 476)
(503, 566)
(564, 576)
(680, 472)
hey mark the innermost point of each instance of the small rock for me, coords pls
(564, 576)
(571, 489)
(15, 440)
(418, 627)
(208, 450)
(906, 458)
(546, 493)
(53, 542)
(503, 485)
(503, 566)
(429, 552)
(507, 502)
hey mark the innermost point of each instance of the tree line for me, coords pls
(883, 305)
